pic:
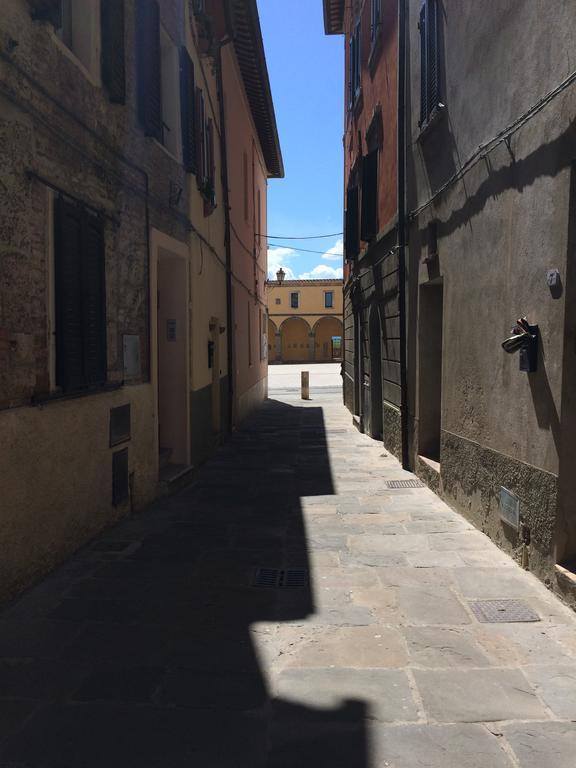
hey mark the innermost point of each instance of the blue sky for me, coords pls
(306, 75)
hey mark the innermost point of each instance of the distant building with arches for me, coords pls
(304, 320)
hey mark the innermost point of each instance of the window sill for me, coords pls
(165, 149)
(91, 73)
(434, 119)
(58, 396)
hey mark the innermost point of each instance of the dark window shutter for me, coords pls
(68, 296)
(93, 300)
(432, 63)
(148, 62)
(200, 137)
(369, 222)
(113, 49)
(352, 245)
(423, 68)
(47, 10)
(350, 71)
(187, 111)
(210, 161)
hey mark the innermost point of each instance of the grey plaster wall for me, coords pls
(499, 229)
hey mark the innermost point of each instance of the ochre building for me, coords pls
(304, 320)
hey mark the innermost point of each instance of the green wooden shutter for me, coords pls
(113, 49)
(369, 221)
(187, 111)
(200, 133)
(47, 10)
(93, 300)
(68, 296)
(352, 244)
(148, 62)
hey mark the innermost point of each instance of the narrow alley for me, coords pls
(288, 609)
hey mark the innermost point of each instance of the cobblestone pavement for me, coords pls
(152, 648)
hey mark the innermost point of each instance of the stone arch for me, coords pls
(272, 351)
(326, 330)
(295, 340)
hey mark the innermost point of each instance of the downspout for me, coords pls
(401, 145)
(226, 201)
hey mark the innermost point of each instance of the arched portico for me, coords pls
(328, 333)
(295, 340)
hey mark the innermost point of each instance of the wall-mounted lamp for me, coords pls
(524, 339)
(280, 275)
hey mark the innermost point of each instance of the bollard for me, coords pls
(305, 379)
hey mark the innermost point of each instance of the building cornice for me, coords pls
(334, 16)
(293, 283)
(247, 39)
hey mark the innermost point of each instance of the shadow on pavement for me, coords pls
(139, 651)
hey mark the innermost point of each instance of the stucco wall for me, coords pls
(56, 485)
(248, 200)
(498, 231)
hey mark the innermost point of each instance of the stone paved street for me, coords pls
(152, 648)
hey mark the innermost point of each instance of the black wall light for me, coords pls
(524, 339)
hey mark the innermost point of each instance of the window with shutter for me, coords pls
(429, 61)
(113, 49)
(187, 92)
(369, 218)
(200, 139)
(352, 242)
(375, 20)
(354, 70)
(149, 72)
(210, 192)
(80, 297)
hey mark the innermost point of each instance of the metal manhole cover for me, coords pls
(280, 578)
(405, 484)
(502, 611)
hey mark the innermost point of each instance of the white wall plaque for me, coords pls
(509, 508)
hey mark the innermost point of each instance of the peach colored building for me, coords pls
(253, 156)
(304, 320)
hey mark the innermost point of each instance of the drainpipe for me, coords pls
(401, 145)
(226, 202)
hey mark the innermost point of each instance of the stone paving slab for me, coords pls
(153, 648)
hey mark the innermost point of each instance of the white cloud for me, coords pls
(323, 272)
(279, 257)
(334, 253)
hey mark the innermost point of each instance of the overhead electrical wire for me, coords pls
(308, 237)
(304, 250)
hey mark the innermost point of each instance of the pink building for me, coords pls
(253, 156)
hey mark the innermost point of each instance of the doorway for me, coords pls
(431, 312)
(374, 404)
(172, 359)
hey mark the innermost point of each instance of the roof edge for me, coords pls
(333, 16)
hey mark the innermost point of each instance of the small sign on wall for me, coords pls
(509, 508)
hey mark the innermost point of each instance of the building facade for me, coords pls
(253, 156)
(304, 320)
(372, 370)
(483, 236)
(491, 212)
(115, 323)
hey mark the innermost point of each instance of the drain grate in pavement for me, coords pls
(502, 611)
(279, 578)
(404, 484)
